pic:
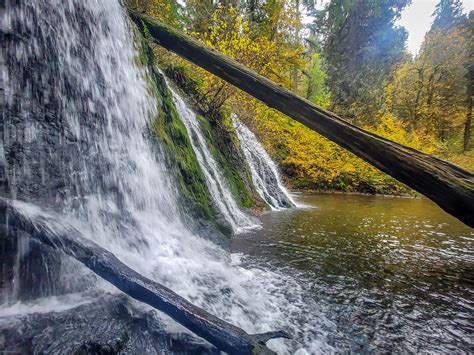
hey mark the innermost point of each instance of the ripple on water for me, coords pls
(392, 274)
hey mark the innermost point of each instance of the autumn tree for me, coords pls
(430, 90)
(344, 60)
(267, 47)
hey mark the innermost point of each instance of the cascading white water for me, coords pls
(265, 175)
(216, 182)
(102, 101)
(113, 185)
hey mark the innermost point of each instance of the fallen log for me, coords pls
(44, 228)
(448, 185)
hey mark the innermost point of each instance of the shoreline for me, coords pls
(338, 192)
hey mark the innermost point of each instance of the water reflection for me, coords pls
(397, 274)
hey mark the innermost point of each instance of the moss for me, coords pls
(222, 140)
(224, 147)
(170, 133)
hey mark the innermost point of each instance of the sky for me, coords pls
(417, 19)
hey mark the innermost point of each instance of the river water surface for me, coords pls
(392, 274)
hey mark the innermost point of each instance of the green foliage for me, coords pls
(316, 90)
(448, 14)
(362, 45)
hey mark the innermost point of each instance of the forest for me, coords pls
(236, 176)
(349, 57)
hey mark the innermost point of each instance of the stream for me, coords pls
(391, 274)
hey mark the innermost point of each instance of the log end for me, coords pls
(262, 338)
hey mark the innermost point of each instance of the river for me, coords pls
(392, 274)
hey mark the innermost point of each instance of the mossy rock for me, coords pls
(222, 141)
(170, 134)
(224, 146)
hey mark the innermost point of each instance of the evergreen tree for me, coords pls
(448, 14)
(361, 47)
(316, 82)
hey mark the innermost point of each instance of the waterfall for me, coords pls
(74, 141)
(216, 182)
(265, 175)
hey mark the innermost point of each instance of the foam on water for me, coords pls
(235, 288)
(45, 305)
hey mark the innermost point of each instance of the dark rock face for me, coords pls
(60, 112)
(47, 160)
(108, 325)
(35, 137)
(55, 113)
(74, 140)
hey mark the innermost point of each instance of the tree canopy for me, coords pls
(350, 57)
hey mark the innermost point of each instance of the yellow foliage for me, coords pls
(163, 10)
(430, 91)
(231, 35)
(313, 162)
(394, 129)
(308, 160)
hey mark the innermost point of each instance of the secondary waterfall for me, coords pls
(216, 182)
(76, 113)
(265, 175)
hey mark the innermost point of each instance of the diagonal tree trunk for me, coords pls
(450, 186)
(469, 94)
